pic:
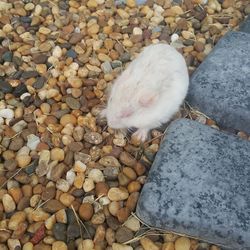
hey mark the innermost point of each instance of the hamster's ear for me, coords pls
(148, 99)
(126, 112)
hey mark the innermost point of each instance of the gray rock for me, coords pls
(219, 87)
(106, 67)
(245, 26)
(199, 185)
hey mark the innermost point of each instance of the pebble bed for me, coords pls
(67, 180)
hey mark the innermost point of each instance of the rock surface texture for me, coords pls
(245, 26)
(199, 185)
(220, 86)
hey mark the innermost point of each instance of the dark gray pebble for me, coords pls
(17, 61)
(29, 74)
(71, 53)
(73, 231)
(39, 83)
(20, 89)
(32, 167)
(125, 57)
(7, 56)
(5, 87)
(60, 231)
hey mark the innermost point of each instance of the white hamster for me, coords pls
(149, 92)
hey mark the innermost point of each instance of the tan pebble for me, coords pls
(57, 154)
(92, 4)
(86, 245)
(103, 57)
(110, 236)
(75, 82)
(83, 72)
(23, 160)
(93, 29)
(67, 199)
(86, 211)
(133, 224)
(114, 207)
(117, 194)
(28, 246)
(34, 200)
(134, 186)
(16, 194)
(68, 118)
(45, 47)
(118, 246)
(168, 246)
(79, 180)
(109, 161)
(79, 167)
(29, 6)
(13, 244)
(7, 28)
(44, 30)
(96, 175)
(88, 185)
(98, 218)
(169, 237)
(122, 13)
(214, 248)
(41, 68)
(148, 244)
(50, 222)
(131, 3)
(39, 215)
(8, 203)
(15, 219)
(127, 159)
(121, 142)
(61, 216)
(59, 245)
(182, 243)
(127, 43)
(99, 234)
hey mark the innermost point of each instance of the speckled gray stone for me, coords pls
(199, 185)
(245, 26)
(220, 87)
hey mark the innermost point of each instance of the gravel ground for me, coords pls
(67, 180)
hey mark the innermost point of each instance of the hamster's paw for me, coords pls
(141, 134)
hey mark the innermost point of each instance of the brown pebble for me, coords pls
(132, 201)
(123, 214)
(86, 211)
(101, 189)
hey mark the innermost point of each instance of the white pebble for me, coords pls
(19, 126)
(104, 200)
(96, 175)
(88, 185)
(7, 113)
(70, 177)
(33, 141)
(1, 120)
(80, 167)
(24, 95)
(57, 52)
(23, 151)
(137, 31)
(62, 185)
(174, 37)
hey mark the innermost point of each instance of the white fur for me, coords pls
(160, 71)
